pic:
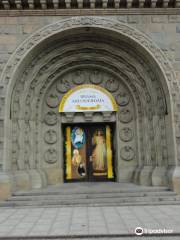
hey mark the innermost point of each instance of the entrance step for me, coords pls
(93, 194)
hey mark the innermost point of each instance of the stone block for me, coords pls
(10, 29)
(176, 180)
(133, 19)
(22, 180)
(11, 20)
(136, 175)
(36, 180)
(122, 18)
(178, 28)
(159, 19)
(126, 174)
(174, 18)
(145, 176)
(54, 175)
(5, 186)
(159, 176)
(8, 39)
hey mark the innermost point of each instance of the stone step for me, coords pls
(91, 196)
(89, 191)
(80, 201)
(89, 204)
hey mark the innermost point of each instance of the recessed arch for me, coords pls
(120, 33)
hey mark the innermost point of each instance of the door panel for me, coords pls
(88, 153)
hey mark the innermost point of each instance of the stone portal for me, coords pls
(94, 51)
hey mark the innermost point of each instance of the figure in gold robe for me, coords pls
(99, 152)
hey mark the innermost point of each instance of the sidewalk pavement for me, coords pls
(88, 222)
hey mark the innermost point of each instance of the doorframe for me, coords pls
(114, 144)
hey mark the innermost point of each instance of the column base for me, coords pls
(36, 179)
(170, 176)
(136, 177)
(159, 176)
(22, 180)
(146, 176)
(43, 177)
(126, 174)
(54, 175)
(5, 186)
(176, 180)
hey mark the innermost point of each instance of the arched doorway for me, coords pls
(90, 51)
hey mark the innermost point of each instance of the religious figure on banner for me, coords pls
(76, 159)
(77, 137)
(99, 152)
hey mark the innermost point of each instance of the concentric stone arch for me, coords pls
(141, 42)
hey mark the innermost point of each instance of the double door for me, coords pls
(88, 152)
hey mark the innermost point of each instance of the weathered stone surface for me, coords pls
(5, 186)
(22, 180)
(54, 175)
(127, 65)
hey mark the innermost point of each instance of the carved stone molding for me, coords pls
(52, 100)
(127, 153)
(50, 156)
(122, 98)
(79, 77)
(125, 115)
(96, 77)
(63, 86)
(146, 46)
(50, 118)
(126, 134)
(112, 85)
(50, 136)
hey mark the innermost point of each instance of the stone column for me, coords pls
(6, 4)
(43, 4)
(146, 172)
(92, 3)
(68, 3)
(5, 186)
(141, 3)
(80, 3)
(153, 3)
(159, 175)
(117, 2)
(104, 3)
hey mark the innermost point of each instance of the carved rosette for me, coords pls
(50, 136)
(50, 118)
(122, 98)
(96, 77)
(125, 115)
(50, 156)
(63, 86)
(127, 153)
(52, 100)
(79, 77)
(112, 85)
(126, 134)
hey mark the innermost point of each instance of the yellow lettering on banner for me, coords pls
(68, 153)
(88, 108)
(109, 152)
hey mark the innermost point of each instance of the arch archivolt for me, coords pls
(90, 55)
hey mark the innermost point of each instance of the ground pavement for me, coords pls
(113, 222)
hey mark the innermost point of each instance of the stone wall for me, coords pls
(164, 30)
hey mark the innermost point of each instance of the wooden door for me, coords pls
(88, 153)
